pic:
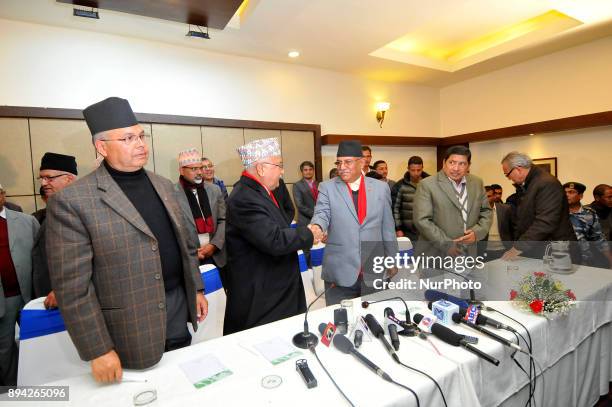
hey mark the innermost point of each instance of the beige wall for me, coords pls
(582, 156)
(66, 68)
(571, 82)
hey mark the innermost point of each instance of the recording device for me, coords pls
(358, 339)
(392, 329)
(344, 345)
(307, 339)
(452, 338)
(341, 320)
(378, 332)
(458, 319)
(301, 366)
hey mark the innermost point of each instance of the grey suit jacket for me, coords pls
(335, 213)
(437, 214)
(217, 209)
(22, 230)
(106, 270)
(305, 202)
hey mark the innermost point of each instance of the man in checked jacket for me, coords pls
(121, 260)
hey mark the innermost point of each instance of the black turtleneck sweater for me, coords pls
(139, 190)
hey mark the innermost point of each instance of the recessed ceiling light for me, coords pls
(293, 54)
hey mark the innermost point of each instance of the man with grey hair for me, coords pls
(263, 280)
(542, 212)
(121, 258)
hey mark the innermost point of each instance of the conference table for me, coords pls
(573, 350)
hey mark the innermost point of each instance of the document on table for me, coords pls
(276, 350)
(204, 371)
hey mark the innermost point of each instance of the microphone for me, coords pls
(453, 338)
(306, 339)
(472, 299)
(344, 345)
(484, 320)
(366, 304)
(392, 328)
(435, 295)
(378, 332)
(458, 319)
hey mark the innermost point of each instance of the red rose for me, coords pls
(571, 295)
(513, 294)
(539, 274)
(536, 306)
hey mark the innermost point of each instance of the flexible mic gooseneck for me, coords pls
(366, 304)
(307, 339)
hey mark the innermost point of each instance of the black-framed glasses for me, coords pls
(50, 178)
(507, 174)
(281, 166)
(128, 140)
(347, 163)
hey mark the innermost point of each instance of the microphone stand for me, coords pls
(306, 339)
(472, 300)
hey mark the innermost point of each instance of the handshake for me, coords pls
(317, 232)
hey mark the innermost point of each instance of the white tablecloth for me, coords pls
(574, 350)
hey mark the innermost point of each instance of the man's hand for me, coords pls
(107, 368)
(206, 251)
(399, 233)
(317, 233)
(468, 237)
(201, 306)
(50, 301)
(391, 272)
(511, 254)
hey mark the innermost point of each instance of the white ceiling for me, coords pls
(342, 35)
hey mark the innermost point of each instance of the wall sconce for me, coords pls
(381, 108)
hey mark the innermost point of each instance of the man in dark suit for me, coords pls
(264, 282)
(123, 268)
(305, 193)
(542, 213)
(57, 171)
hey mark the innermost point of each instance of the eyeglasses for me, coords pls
(276, 165)
(128, 140)
(50, 178)
(347, 163)
(507, 174)
(195, 168)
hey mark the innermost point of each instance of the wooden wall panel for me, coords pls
(297, 146)
(254, 134)
(26, 202)
(15, 157)
(70, 137)
(219, 145)
(169, 140)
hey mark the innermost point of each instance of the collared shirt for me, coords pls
(354, 186)
(456, 185)
(3, 213)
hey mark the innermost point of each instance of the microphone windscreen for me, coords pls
(417, 318)
(322, 327)
(374, 325)
(456, 317)
(342, 343)
(389, 311)
(447, 335)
